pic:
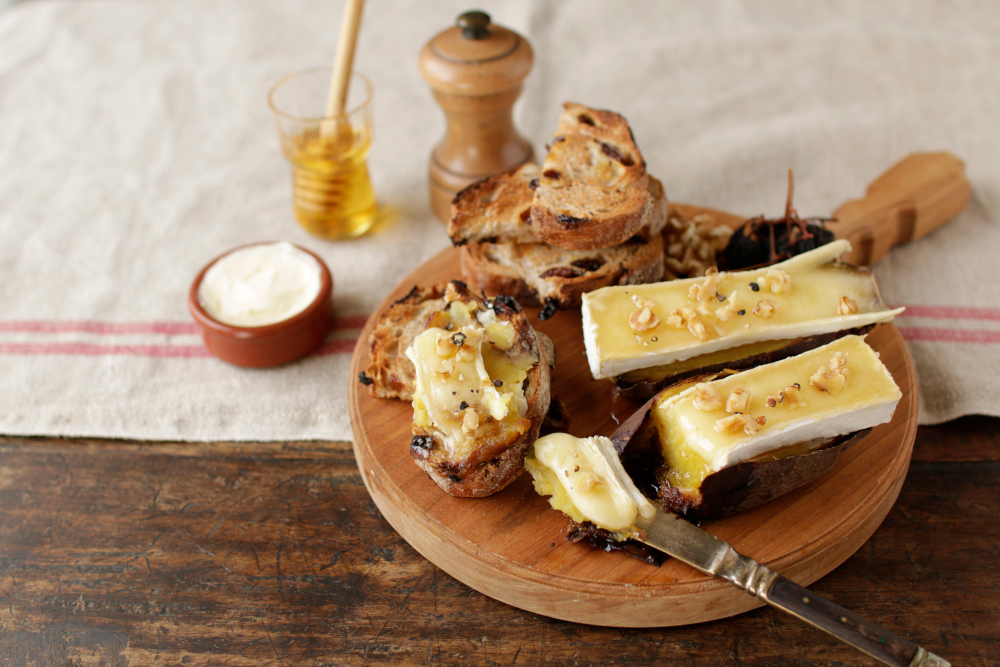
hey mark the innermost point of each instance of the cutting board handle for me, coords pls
(914, 197)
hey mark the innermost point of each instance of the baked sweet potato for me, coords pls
(717, 444)
(734, 489)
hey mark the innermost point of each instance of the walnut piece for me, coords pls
(643, 320)
(736, 423)
(775, 280)
(847, 306)
(828, 380)
(445, 369)
(739, 401)
(444, 346)
(696, 325)
(730, 310)
(690, 245)
(692, 319)
(470, 422)
(838, 363)
(765, 308)
(707, 398)
(707, 288)
(641, 302)
(789, 397)
(676, 319)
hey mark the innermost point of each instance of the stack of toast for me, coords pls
(590, 216)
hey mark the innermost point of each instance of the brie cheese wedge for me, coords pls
(585, 479)
(631, 327)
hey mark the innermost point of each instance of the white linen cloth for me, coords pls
(136, 144)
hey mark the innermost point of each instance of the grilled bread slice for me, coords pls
(479, 379)
(497, 208)
(593, 189)
(391, 374)
(537, 274)
(499, 261)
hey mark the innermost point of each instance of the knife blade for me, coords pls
(674, 536)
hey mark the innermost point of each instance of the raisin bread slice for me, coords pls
(480, 378)
(391, 374)
(497, 208)
(593, 189)
(537, 274)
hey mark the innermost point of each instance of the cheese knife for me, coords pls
(674, 536)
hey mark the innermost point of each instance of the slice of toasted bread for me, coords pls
(593, 189)
(391, 373)
(497, 208)
(538, 274)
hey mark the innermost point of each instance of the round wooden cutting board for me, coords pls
(512, 546)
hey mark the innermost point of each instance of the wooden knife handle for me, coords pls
(916, 196)
(819, 612)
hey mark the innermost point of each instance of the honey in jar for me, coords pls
(332, 191)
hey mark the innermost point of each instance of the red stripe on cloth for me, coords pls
(350, 322)
(953, 312)
(111, 328)
(336, 347)
(950, 335)
(87, 349)
(95, 327)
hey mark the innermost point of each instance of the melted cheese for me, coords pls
(693, 442)
(807, 305)
(585, 479)
(466, 378)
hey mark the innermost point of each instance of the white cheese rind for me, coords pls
(592, 476)
(808, 429)
(597, 368)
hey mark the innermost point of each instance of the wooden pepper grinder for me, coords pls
(475, 70)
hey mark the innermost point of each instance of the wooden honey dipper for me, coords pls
(333, 192)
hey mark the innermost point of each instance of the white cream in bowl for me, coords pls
(260, 285)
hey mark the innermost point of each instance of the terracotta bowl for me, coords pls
(271, 344)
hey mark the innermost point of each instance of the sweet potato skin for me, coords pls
(645, 389)
(752, 483)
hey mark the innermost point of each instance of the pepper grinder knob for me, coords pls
(474, 24)
(476, 71)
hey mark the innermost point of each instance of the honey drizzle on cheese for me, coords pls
(743, 308)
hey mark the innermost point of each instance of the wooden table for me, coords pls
(118, 553)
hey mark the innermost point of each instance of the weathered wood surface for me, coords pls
(247, 554)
